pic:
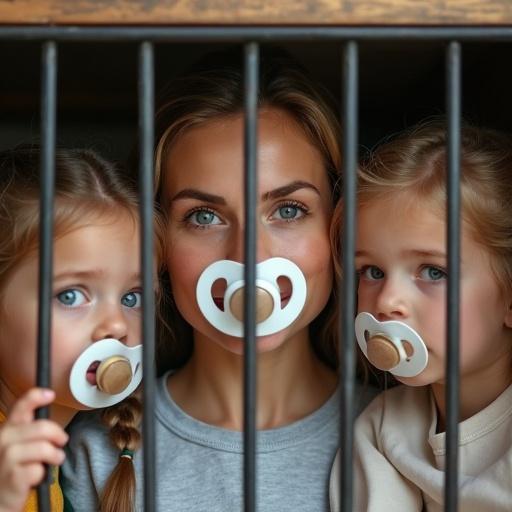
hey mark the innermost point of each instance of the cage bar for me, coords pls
(146, 138)
(251, 76)
(47, 180)
(453, 105)
(348, 284)
(237, 34)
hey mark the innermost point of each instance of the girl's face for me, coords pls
(96, 295)
(401, 260)
(204, 178)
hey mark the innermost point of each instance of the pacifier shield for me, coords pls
(391, 345)
(270, 317)
(117, 376)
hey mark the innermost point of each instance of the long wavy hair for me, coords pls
(213, 89)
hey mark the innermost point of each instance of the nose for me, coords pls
(391, 301)
(237, 243)
(111, 324)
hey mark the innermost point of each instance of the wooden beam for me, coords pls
(257, 12)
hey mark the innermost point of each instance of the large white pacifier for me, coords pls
(118, 370)
(270, 318)
(392, 345)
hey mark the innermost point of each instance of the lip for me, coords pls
(91, 373)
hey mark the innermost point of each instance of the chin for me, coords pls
(419, 380)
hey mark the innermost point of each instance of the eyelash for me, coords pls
(295, 204)
(188, 215)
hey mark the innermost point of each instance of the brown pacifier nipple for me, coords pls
(383, 354)
(113, 375)
(264, 304)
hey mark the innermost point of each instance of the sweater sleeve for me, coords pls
(378, 485)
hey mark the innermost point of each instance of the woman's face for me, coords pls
(203, 191)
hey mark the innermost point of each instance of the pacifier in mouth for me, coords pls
(391, 345)
(106, 373)
(227, 314)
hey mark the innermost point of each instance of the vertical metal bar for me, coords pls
(348, 292)
(48, 137)
(250, 194)
(146, 138)
(453, 102)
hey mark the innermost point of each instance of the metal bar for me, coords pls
(251, 75)
(48, 137)
(239, 34)
(453, 105)
(146, 138)
(348, 291)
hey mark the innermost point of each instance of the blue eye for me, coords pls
(203, 217)
(289, 212)
(431, 273)
(71, 298)
(132, 300)
(372, 273)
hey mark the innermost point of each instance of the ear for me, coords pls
(508, 316)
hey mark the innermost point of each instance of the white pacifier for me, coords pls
(118, 372)
(391, 346)
(270, 318)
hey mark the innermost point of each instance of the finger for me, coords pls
(39, 430)
(32, 452)
(23, 409)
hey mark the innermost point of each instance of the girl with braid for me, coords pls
(96, 316)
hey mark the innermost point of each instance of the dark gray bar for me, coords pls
(348, 291)
(246, 34)
(48, 137)
(250, 195)
(453, 106)
(146, 138)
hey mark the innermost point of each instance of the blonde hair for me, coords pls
(415, 162)
(86, 188)
(214, 89)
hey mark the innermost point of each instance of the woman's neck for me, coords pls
(291, 383)
(477, 390)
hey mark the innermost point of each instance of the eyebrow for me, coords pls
(190, 193)
(413, 252)
(288, 189)
(87, 274)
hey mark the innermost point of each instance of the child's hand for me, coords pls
(25, 445)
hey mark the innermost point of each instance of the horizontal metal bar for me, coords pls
(239, 34)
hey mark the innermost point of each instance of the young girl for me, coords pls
(199, 406)
(96, 302)
(401, 261)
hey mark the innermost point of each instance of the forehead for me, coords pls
(401, 219)
(211, 156)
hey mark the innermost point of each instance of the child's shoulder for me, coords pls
(398, 402)
(85, 427)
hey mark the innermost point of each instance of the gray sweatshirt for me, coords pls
(199, 466)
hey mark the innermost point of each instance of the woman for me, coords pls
(199, 411)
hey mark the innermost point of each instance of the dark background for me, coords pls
(400, 83)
